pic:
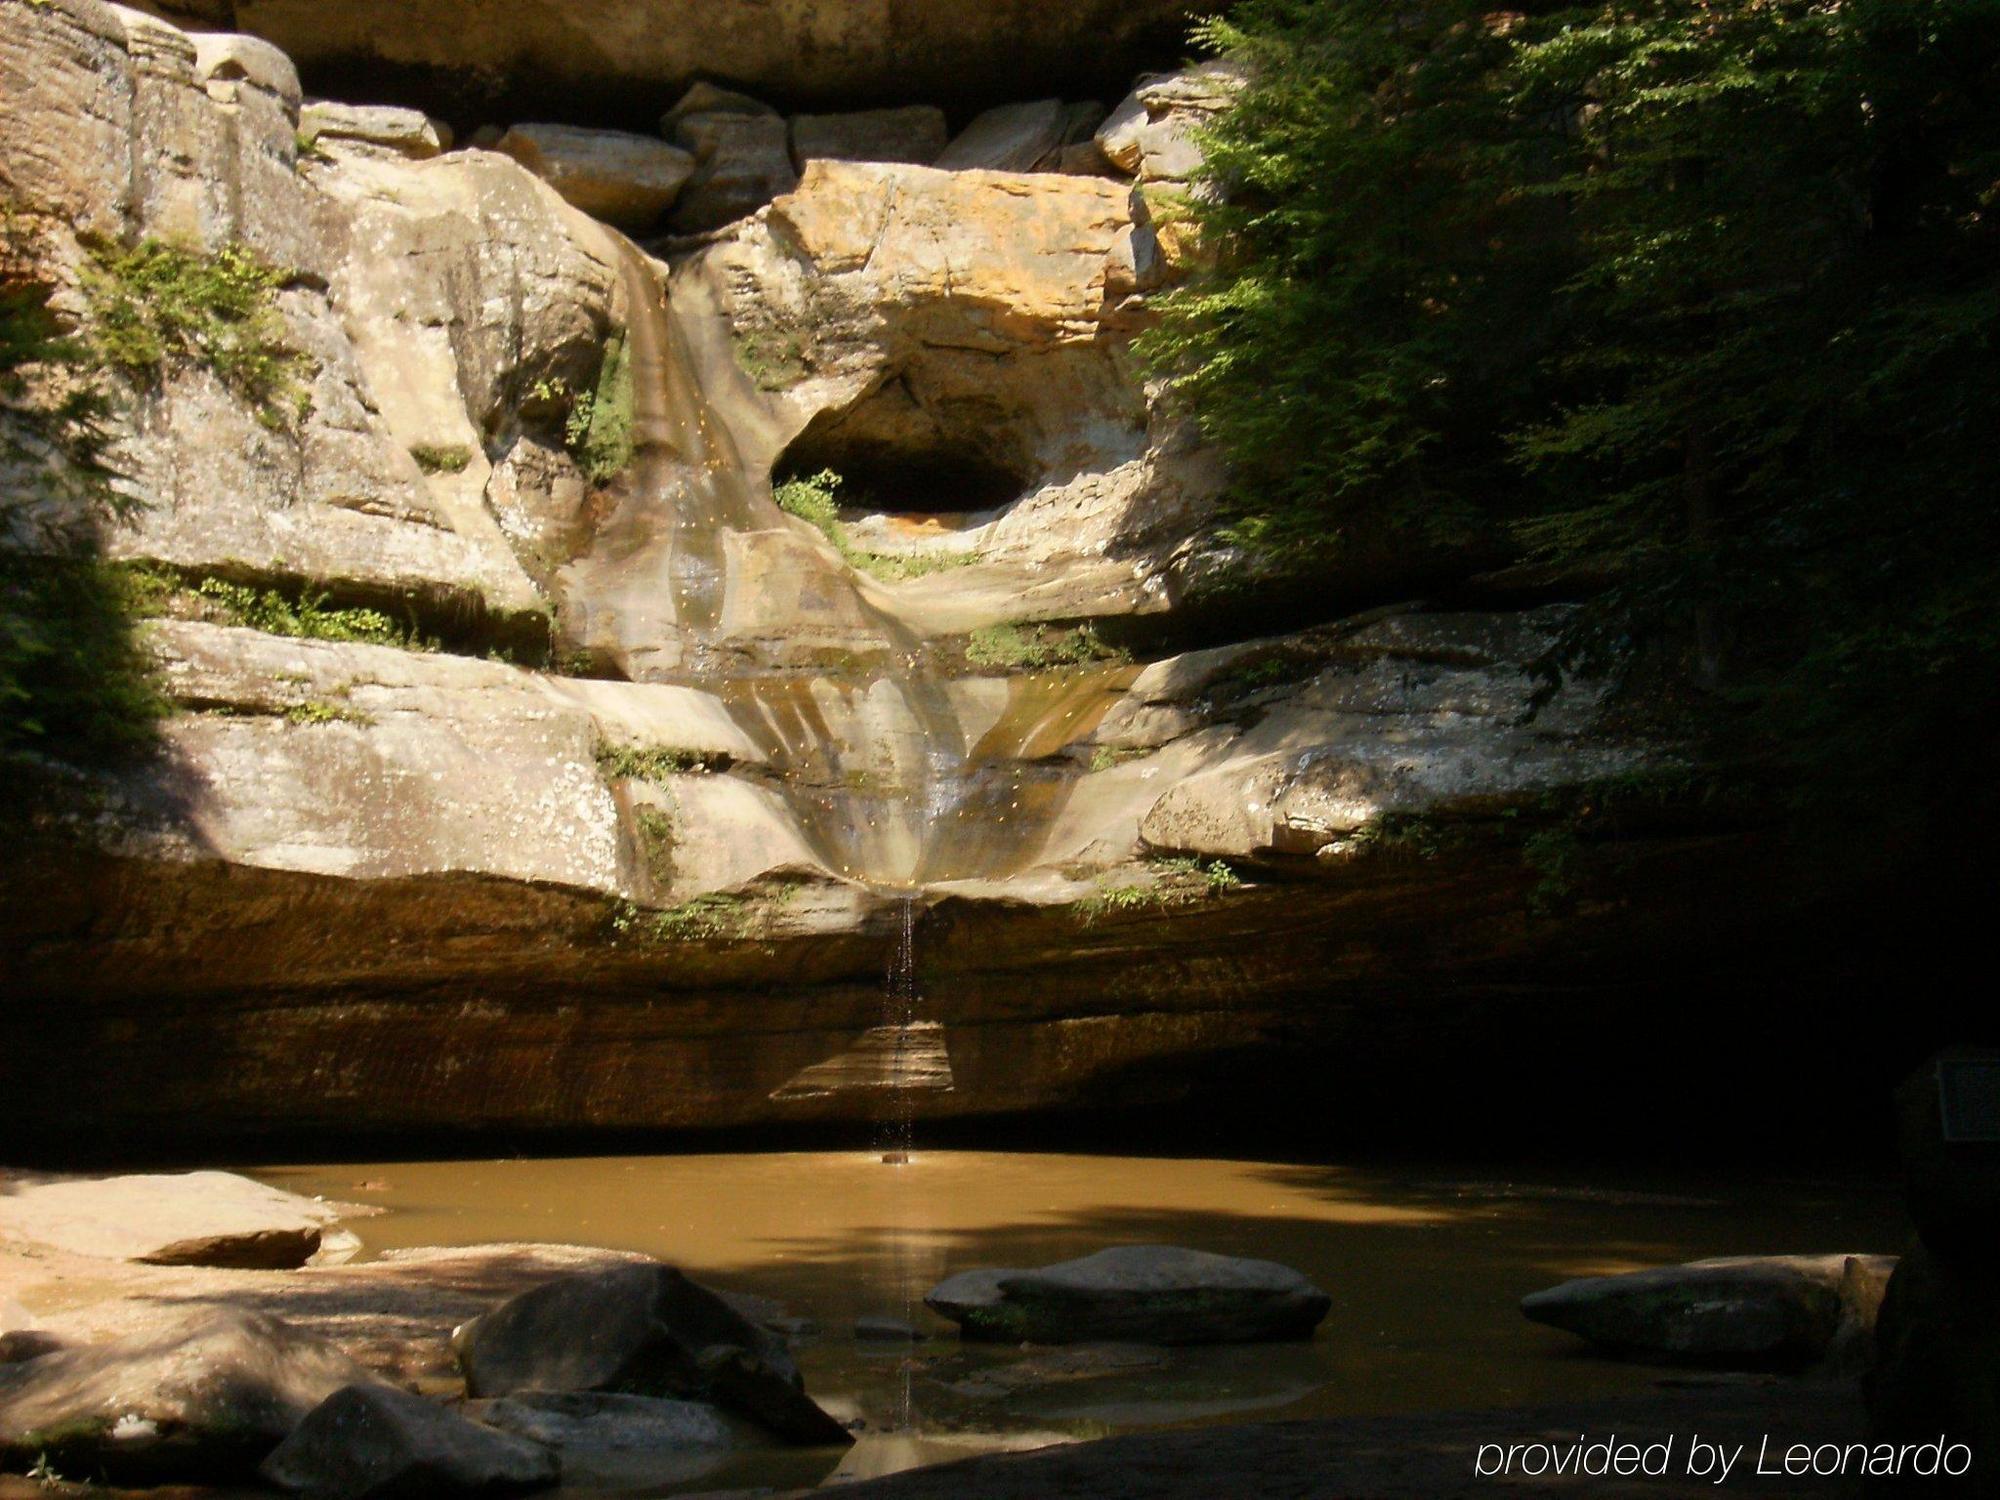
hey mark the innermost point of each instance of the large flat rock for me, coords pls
(1149, 1294)
(183, 1219)
(1753, 1310)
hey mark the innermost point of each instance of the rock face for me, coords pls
(1146, 1294)
(641, 1330)
(372, 128)
(1012, 138)
(1151, 134)
(744, 160)
(665, 747)
(373, 1442)
(597, 53)
(626, 180)
(193, 1219)
(914, 134)
(201, 1402)
(1753, 1311)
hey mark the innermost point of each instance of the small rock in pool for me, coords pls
(880, 1328)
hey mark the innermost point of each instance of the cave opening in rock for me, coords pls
(907, 469)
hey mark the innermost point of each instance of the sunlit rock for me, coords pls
(627, 180)
(180, 1219)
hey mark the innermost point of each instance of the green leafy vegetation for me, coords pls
(652, 762)
(76, 683)
(433, 459)
(305, 616)
(598, 430)
(773, 360)
(1039, 647)
(1106, 757)
(1179, 880)
(716, 915)
(161, 303)
(1694, 302)
(659, 836)
(320, 711)
(815, 500)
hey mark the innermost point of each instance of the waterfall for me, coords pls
(876, 768)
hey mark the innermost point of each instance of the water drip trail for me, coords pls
(897, 1130)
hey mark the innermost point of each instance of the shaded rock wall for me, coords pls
(609, 61)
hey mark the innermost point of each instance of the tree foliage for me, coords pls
(1694, 298)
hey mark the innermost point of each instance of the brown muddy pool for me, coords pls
(1424, 1268)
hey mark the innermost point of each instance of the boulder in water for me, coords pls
(374, 1442)
(644, 1330)
(1753, 1310)
(200, 1401)
(1147, 1294)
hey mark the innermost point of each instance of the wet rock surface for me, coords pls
(373, 1442)
(640, 1330)
(1155, 1294)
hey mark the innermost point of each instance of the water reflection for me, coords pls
(1424, 1268)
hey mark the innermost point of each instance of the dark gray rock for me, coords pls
(200, 1401)
(743, 161)
(373, 1442)
(1011, 138)
(914, 134)
(882, 1328)
(1149, 1294)
(1937, 1367)
(644, 1330)
(1749, 1311)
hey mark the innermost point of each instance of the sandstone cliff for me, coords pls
(621, 834)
